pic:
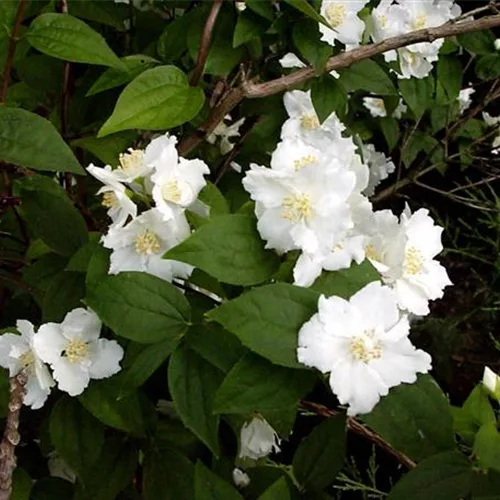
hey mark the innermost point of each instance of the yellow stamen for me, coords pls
(371, 253)
(420, 21)
(76, 350)
(364, 348)
(27, 359)
(132, 161)
(147, 243)
(304, 161)
(171, 192)
(414, 261)
(309, 122)
(297, 207)
(335, 14)
(109, 200)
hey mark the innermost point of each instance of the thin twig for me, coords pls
(12, 48)
(358, 428)
(206, 38)
(253, 90)
(11, 436)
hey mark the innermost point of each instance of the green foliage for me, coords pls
(208, 486)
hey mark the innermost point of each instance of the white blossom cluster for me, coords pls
(314, 199)
(168, 185)
(390, 18)
(72, 349)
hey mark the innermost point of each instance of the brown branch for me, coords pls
(12, 48)
(206, 38)
(358, 428)
(11, 436)
(252, 90)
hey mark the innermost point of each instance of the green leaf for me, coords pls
(487, 446)
(486, 486)
(98, 267)
(277, 491)
(125, 413)
(107, 149)
(446, 476)
(48, 488)
(76, 435)
(449, 74)
(30, 141)
(328, 96)
(140, 307)
(80, 260)
(113, 77)
(193, 382)
(64, 294)
(478, 406)
(306, 8)
(415, 419)
(158, 99)
(50, 214)
(268, 319)
(264, 9)
(367, 75)
(66, 37)
(248, 26)
(209, 486)
(100, 12)
(479, 42)
(320, 457)
(172, 42)
(418, 93)
(346, 282)
(255, 384)
(22, 485)
(306, 37)
(43, 272)
(488, 67)
(390, 129)
(417, 142)
(168, 475)
(228, 248)
(214, 199)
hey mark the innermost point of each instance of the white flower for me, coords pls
(241, 6)
(75, 351)
(290, 60)
(342, 16)
(380, 167)
(403, 253)
(140, 245)
(496, 44)
(225, 132)
(363, 343)
(388, 20)
(258, 439)
(17, 354)
(491, 382)
(306, 209)
(493, 121)
(376, 107)
(240, 478)
(464, 99)
(413, 64)
(177, 181)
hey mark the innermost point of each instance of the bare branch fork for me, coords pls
(253, 90)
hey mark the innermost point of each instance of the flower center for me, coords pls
(297, 207)
(365, 347)
(371, 253)
(309, 122)
(110, 200)
(382, 21)
(335, 14)
(379, 103)
(420, 21)
(76, 350)
(147, 243)
(414, 261)
(171, 192)
(131, 163)
(305, 160)
(27, 359)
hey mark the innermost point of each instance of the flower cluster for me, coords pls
(155, 175)
(314, 199)
(72, 348)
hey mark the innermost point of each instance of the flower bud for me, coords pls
(258, 439)
(492, 383)
(496, 44)
(240, 478)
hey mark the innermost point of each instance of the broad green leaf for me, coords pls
(140, 307)
(277, 491)
(264, 9)
(214, 199)
(107, 149)
(80, 260)
(48, 488)
(30, 141)
(77, 436)
(446, 476)
(98, 267)
(487, 446)
(172, 42)
(328, 96)
(100, 12)
(418, 93)
(158, 99)
(486, 486)
(390, 129)
(450, 73)
(306, 37)
(268, 319)
(478, 406)
(193, 382)
(228, 248)
(103, 400)
(248, 26)
(112, 472)
(417, 142)
(66, 37)
(346, 282)
(50, 215)
(64, 294)
(479, 42)
(255, 384)
(168, 475)
(113, 77)
(209, 486)
(367, 75)
(415, 419)
(320, 456)
(22, 485)
(43, 272)
(306, 8)
(488, 67)
(264, 477)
